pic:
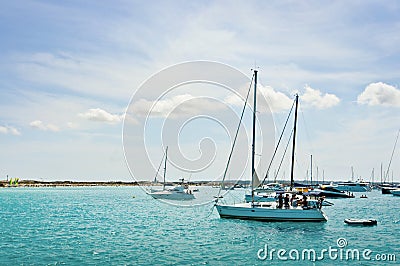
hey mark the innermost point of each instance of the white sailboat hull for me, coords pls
(247, 211)
(168, 195)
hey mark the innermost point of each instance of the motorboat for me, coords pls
(331, 191)
(354, 186)
(387, 188)
(395, 192)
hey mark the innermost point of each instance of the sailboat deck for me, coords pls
(269, 205)
(270, 212)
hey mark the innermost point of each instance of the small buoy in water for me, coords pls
(133, 197)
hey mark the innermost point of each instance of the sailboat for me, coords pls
(310, 211)
(389, 188)
(179, 192)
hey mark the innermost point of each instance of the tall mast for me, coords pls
(391, 158)
(352, 174)
(373, 174)
(254, 136)
(294, 142)
(311, 171)
(392, 177)
(165, 166)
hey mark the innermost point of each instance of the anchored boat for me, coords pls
(396, 192)
(179, 192)
(309, 211)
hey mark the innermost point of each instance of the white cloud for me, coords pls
(77, 73)
(380, 94)
(159, 108)
(175, 106)
(277, 101)
(52, 127)
(315, 98)
(9, 130)
(130, 119)
(100, 115)
(38, 124)
(72, 125)
(3, 130)
(59, 110)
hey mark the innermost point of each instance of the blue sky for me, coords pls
(70, 68)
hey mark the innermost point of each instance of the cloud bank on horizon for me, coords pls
(66, 79)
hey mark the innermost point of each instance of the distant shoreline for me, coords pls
(34, 183)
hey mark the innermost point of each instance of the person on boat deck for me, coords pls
(304, 201)
(286, 201)
(320, 200)
(292, 199)
(280, 201)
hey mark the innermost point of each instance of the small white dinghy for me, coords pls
(360, 221)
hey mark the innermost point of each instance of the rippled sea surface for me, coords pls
(124, 226)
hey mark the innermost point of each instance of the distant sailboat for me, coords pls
(179, 192)
(271, 211)
(388, 188)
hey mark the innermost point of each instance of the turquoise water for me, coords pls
(124, 226)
